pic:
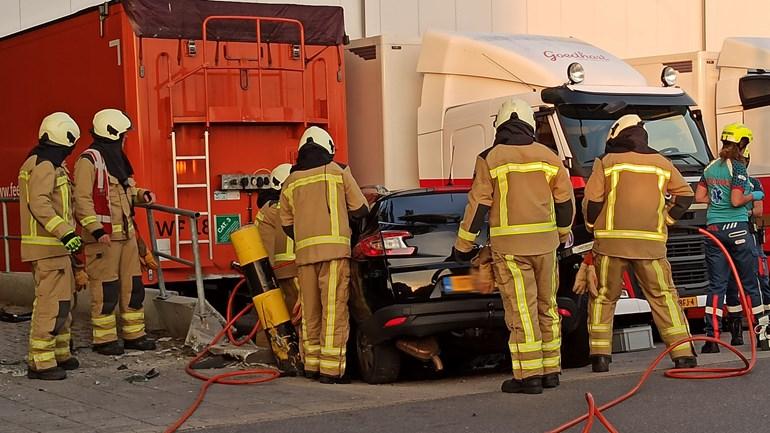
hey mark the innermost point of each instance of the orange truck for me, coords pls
(219, 93)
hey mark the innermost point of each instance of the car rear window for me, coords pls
(424, 208)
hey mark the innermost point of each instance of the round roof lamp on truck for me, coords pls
(576, 73)
(668, 76)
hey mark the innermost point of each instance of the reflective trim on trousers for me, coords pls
(521, 299)
(331, 310)
(534, 346)
(532, 364)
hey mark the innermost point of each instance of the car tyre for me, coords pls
(575, 351)
(377, 363)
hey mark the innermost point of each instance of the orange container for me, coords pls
(247, 87)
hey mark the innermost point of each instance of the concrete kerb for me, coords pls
(172, 315)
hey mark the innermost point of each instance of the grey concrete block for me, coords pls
(173, 314)
(17, 288)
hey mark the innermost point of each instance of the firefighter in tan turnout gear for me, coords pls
(105, 193)
(47, 241)
(526, 190)
(626, 207)
(316, 201)
(279, 246)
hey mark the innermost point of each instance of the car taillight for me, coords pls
(563, 312)
(578, 182)
(394, 322)
(386, 243)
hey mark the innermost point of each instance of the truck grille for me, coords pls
(687, 254)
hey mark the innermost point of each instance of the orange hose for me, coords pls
(263, 374)
(683, 373)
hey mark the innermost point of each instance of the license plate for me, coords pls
(688, 302)
(458, 284)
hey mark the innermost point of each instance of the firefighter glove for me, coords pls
(462, 256)
(758, 195)
(586, 279)
(481, 271)
(148, 261)
(72, 242)
(81, 279)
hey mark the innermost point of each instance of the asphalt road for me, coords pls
(737, 405)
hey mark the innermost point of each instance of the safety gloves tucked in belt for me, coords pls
(72, 242)
(586, 279)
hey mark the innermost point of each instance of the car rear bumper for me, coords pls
(431, 318)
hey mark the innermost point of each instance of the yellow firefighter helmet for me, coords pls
(279, 175)
(624, 122)
(60, 129)
(111, 124)
(318, 136)
(522, 109)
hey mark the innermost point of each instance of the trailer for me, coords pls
(219, 94)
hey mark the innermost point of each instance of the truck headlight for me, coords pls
(575, 73)
(668, 76)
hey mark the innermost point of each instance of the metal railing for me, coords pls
(195, 263)
(7, 238)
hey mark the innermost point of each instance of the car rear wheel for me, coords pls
(575, 352)
(377, 363)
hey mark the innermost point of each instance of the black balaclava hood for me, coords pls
(310, 156)
(267, 195)
(631, 139)
(116, 160)
(47, 150)
(515, 131)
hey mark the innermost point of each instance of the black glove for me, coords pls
(460, 256)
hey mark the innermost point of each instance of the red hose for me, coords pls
(683, 373)
(229, 312)
(263, 374)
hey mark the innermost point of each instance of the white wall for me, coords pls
(627, 28)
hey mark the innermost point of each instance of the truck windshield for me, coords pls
(672, 131)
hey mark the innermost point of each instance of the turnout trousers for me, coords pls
(49, 334)
(655, 279)
(741, 244)
(115, 280)
(323, 294)
(528, 287)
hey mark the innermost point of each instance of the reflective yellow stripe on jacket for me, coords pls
(332, 181)
(500, 173)
(610, 231)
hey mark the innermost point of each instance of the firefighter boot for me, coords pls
(71, 364)
(735, 325)
(53, 373)
(330, 380)
(600, 363)
(685, 362)
(141, 343)
(112, 348)
(763, 344)
(551, 380)
(530, 385)
(710, 347)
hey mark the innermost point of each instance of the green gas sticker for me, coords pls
(225, 225)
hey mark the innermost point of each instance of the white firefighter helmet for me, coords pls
(318, 136)
(624, 122)
(279, 175)
(59, 128)
(522, 109)
(111, 124)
